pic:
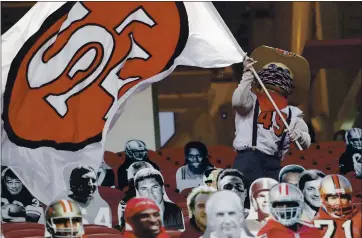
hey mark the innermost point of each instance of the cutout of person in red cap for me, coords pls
(144, 216)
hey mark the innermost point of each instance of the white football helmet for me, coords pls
(354, 138)
(260, 185)
(136, 150)
(286, 203)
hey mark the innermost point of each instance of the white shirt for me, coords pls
(186, 179)
(267, 140)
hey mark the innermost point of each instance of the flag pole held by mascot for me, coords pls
(274, 83)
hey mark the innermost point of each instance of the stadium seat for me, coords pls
(222, 156)
(174, 234)
(114, 161)
(97, 229)
(112, 196)
(7, 227)
(25, 233)
(104, 235)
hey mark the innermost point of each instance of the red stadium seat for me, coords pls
(175, 234)
(25, 233)
(7, 227)
(97, 229)
(222, 156)
(112, 196)
(104, 235)
(114, 161)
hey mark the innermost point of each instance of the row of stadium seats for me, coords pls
(35, 230)
(323, 156)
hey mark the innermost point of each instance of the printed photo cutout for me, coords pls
(351, 159)
(286, 204)
(196, 163)
(135, 150)
(225, 216)
(150, 183)
(105, 176)
(290, 174)
(83, 190)
(309, 182)
(235, 181)
(210, 176)
(259, 200)
(131, 192)
(17, 203)
(195, 226)
(144, 219)
(63, 219)
(338, 213)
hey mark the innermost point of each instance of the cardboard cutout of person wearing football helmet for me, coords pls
(338, 216)
(286, 203)
(83, 190)
(135, 150)
(64, 219)
(351, 159)
(259, 200)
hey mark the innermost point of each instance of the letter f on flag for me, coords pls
(68, 68)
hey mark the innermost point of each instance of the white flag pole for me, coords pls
(274, 105)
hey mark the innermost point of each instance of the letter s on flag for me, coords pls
(86, 55)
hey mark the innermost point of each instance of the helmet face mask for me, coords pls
(339, 205)
(136, 150)
(354, 138)
(67, 227)
(64, 220)
(287, 213)
(259, 194)
(336, 195)
(286, 203)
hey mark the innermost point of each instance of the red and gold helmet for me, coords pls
(337, 186)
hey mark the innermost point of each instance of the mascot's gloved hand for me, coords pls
(299, 132)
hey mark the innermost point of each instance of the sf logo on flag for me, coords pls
(86, 55)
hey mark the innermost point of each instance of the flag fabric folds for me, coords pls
(68, 68)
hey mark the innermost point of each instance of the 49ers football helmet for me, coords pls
(336, 186)
(136, 150)
(261, 185)
(286, 203)
(64, 219)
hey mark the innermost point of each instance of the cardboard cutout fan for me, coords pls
(296, 63)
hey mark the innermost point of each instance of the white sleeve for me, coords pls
(242, 99)
(305, 139)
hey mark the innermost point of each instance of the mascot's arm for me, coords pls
(242, 99)
(299, 132)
